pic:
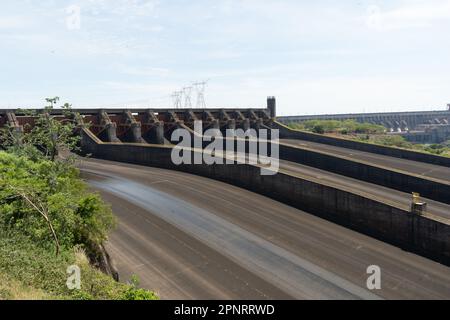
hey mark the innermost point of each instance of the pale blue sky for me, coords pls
(315, 56)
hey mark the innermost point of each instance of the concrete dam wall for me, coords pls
(423, 234)
(428, 187)
(287, 133)
(387, 177)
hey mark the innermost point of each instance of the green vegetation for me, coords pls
(47, 137)
(442, 149)
(369, 133)
(30, 271)
(48, 202)
(339, 127)
(49, 220)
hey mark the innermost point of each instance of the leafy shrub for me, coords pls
(33, 266)
(318, 129)
(135, 293)
(335, 126)
(29, 187)
(393, 140)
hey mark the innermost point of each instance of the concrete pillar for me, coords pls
(13, 122)
(189, 116)
(155, 133)
(231, 124)
(241, 121)
(255, 121)
(245, 124)
(109, 132)
(133, 134)
(152, 128)
(173, 123)
(173, 117)
(390, 126)
(257, 124)
(15, 127)
(209, 122)
(225, 121)
(403, 125)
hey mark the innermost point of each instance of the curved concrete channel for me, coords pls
(190, 237)
(412, 167)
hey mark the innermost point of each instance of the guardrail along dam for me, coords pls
(334, 210)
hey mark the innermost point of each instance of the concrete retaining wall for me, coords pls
(430, 188)
(287, 133)
(424, 235)
(427, 187)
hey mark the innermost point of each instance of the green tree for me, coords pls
(48, 202)
(49, 134)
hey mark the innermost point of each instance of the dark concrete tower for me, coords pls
(272, 106)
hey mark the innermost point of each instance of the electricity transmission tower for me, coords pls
(200, 89)
(187, 91)
(176, 98)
